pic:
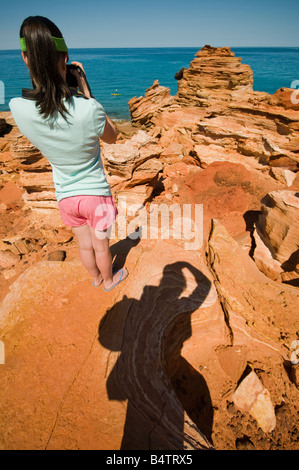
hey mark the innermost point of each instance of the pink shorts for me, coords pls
(99, 212)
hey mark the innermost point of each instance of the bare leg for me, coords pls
(102, 252)
(87, 254)
(100, 241)
(96, 256)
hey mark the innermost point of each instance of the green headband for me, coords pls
(59, 44)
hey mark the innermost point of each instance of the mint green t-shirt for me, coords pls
(71, 146)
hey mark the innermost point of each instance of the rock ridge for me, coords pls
(197, 349)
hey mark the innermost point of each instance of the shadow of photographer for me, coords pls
(150, 372)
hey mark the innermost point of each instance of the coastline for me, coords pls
(202, 352)
(133, 70)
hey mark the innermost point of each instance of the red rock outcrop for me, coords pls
(197, 349)
(215, 75)
(154, 364)
(276, 236)
(133, 167)
(156, 98)
(231, 116)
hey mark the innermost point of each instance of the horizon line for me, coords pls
(169, 47)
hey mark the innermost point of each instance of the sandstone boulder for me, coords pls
(276, 233)
(263, 258)
(8, 259)
(132, 167)
(214, 75)
(23, 150)
(286, 177)
(39, 190)
(35, 178)
(156, 97)
(244, 290)
(252, 397)
(20, 245)
(36, 182)
(135, 196)
(285, 97)
(121, 159)
(145, 173)
(58, 255)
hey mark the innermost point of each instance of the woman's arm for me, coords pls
(82, 85)
(110, 133)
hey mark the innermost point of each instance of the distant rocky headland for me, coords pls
(199, 348)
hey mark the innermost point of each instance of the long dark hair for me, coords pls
(49, 87)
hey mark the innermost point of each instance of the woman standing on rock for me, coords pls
(65, 125)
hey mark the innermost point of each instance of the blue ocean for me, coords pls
(129, 72)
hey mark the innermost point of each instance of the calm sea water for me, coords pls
(132, 71)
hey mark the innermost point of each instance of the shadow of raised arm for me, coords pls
(150, 333)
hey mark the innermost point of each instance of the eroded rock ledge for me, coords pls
(229, 118)
(194, 350)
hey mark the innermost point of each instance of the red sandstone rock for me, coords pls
(215, 74)
(8, 259)
(252, 397)
(156, 97)
(280, 222)
(232, 115)
(244, 290)
(133, 368)
(10, 192)
(89, 386)
(58, 255)
(286, 97)
(277, 234)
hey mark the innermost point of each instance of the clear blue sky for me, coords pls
(159, 23)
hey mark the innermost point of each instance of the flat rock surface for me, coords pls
(62, 346)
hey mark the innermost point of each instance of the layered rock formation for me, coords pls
(35, 179)
(133, 167)
(197, 349)
(230, 115)
(276, 236)
(156, 97)
(155, 364)
(217, 117)
(214, 76)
